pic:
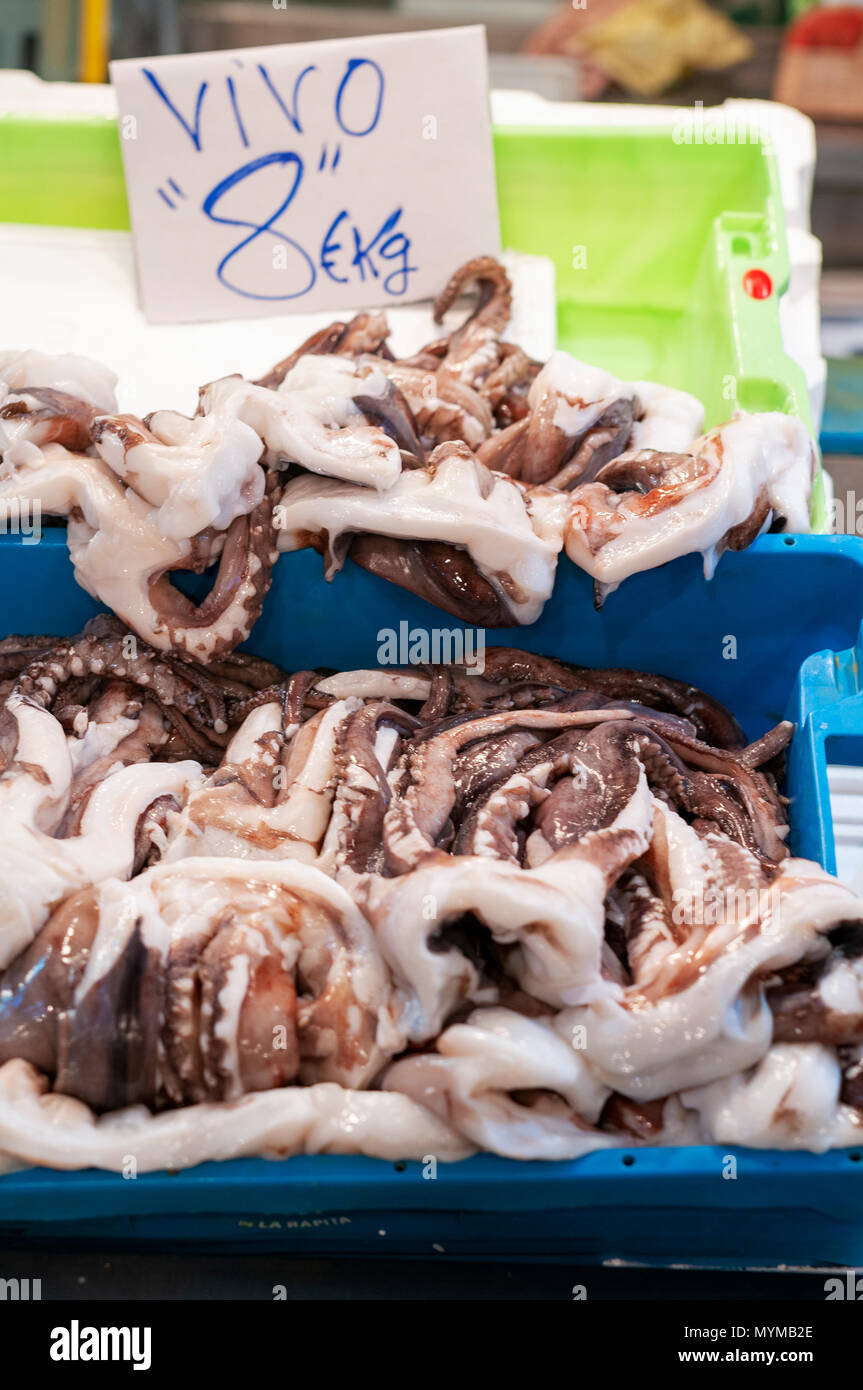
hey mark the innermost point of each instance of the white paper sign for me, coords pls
(325, 175)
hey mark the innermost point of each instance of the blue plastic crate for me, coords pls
(761, 636)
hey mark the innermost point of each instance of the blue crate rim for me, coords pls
(678, 1177)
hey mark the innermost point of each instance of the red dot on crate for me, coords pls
(757, 284)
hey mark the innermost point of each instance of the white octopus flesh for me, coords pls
(540, 912)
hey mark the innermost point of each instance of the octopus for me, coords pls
(453, 532)
(123, 558)
(581, 418)
(539, 909)
(543, 910)
(412, 468)
(229, 978)
(72, 804)
(647, 506)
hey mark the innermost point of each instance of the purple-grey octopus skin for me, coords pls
(537, 451)
(441, 689)
(395, 417)
(445, 410)
(598, 756)
(35, 990)
(712, 721)
(556, 751)
(487, 763)
(362, 835)
(271, 1000)
(55, 417)
(108, 1039)
(563, 703)
(740, 776)
(640, 471)
(424, 786)
(151, 830)
(596, 447)
(73, 701)
(454, 385)
(506, 387)
(295, 693)
(724, 789)
(641, 916)
(800, 1012)
(366, 333)
(461, 398)
(442, 574)
(594, 775)
(186, 741)
(239, 673)
(741, 537)
(18, 651)
(165, 1029)
(473, 349)
(143, 1033)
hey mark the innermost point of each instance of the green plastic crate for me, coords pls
(651, 238)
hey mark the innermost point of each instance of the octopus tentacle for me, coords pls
(714, 722)
(223, 619)
(107, 648)
(367, 743)
(424, 781)
(493, 307)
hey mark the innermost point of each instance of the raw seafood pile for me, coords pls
(407, 913)
(460, 473)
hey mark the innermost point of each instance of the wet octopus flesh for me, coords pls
(460, 473)
(541, 910)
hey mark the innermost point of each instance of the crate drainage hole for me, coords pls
(627, 1160)
(855, 1158)
(400, 1167)
(790, 540)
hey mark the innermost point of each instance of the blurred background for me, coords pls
(668, 51)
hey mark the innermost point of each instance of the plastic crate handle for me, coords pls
(829, 704)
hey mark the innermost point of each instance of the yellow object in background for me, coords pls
(650, 44)
(94, 39)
